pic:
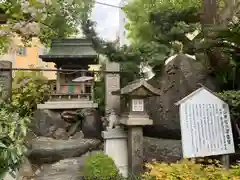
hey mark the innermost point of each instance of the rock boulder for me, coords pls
(48, 150)
(92, 124)
(179, 77)
(45, 122)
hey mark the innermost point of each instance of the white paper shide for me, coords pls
(205, 125)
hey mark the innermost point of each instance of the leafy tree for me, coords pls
(128, 57)
(159, 29)
(45, 19)
(139, 14)
(13, 130)
(162, 28)
(29, 89)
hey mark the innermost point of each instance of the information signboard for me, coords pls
(205, 125)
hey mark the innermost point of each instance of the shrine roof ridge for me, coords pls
(81, 48)
(71, 41)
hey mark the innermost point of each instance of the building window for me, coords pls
(88, 89)
(21, 51)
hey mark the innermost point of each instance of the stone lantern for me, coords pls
(134, 117)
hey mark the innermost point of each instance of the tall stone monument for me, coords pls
(112, 84)
(115, 138)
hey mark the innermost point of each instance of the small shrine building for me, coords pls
(74, 88)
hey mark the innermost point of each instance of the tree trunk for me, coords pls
(209, 19)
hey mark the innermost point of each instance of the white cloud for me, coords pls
(107, 19)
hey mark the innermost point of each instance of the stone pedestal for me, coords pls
(115, 146)
(135, 125)
(135, 150)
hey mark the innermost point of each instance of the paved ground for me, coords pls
(67, 169)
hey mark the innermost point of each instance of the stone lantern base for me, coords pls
(115, 146)
(135, 124)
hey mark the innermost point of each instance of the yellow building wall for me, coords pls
(31, 59)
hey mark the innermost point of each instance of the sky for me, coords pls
(107, 19)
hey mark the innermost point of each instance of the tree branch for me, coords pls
(231, 9)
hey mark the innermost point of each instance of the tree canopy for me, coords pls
(45, 19)
(158, 29)
(155, 26)
(139, 13)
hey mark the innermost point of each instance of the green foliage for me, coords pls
(100, 166)
(45, 19)
(228, 39)
(13, 129)
(139, 12)
(189, 170)
(99, 90)
(157, 27)
(232, 98)
(128, 57)
(29, 89)
(156, 31)
(153, 30)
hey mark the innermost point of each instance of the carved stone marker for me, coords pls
(205, 125)
(135, 117)
(112, 84)
(6, 79)
(115, 138)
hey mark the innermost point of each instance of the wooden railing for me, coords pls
(69, 96)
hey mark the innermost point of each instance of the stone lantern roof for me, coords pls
(138, 87)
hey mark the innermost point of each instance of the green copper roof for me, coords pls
(69, 49)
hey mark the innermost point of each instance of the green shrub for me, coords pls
(100, 166)
(232, 98)
(13, 130)
(188, 170)
(29, 89)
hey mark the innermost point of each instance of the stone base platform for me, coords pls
(67, 104)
